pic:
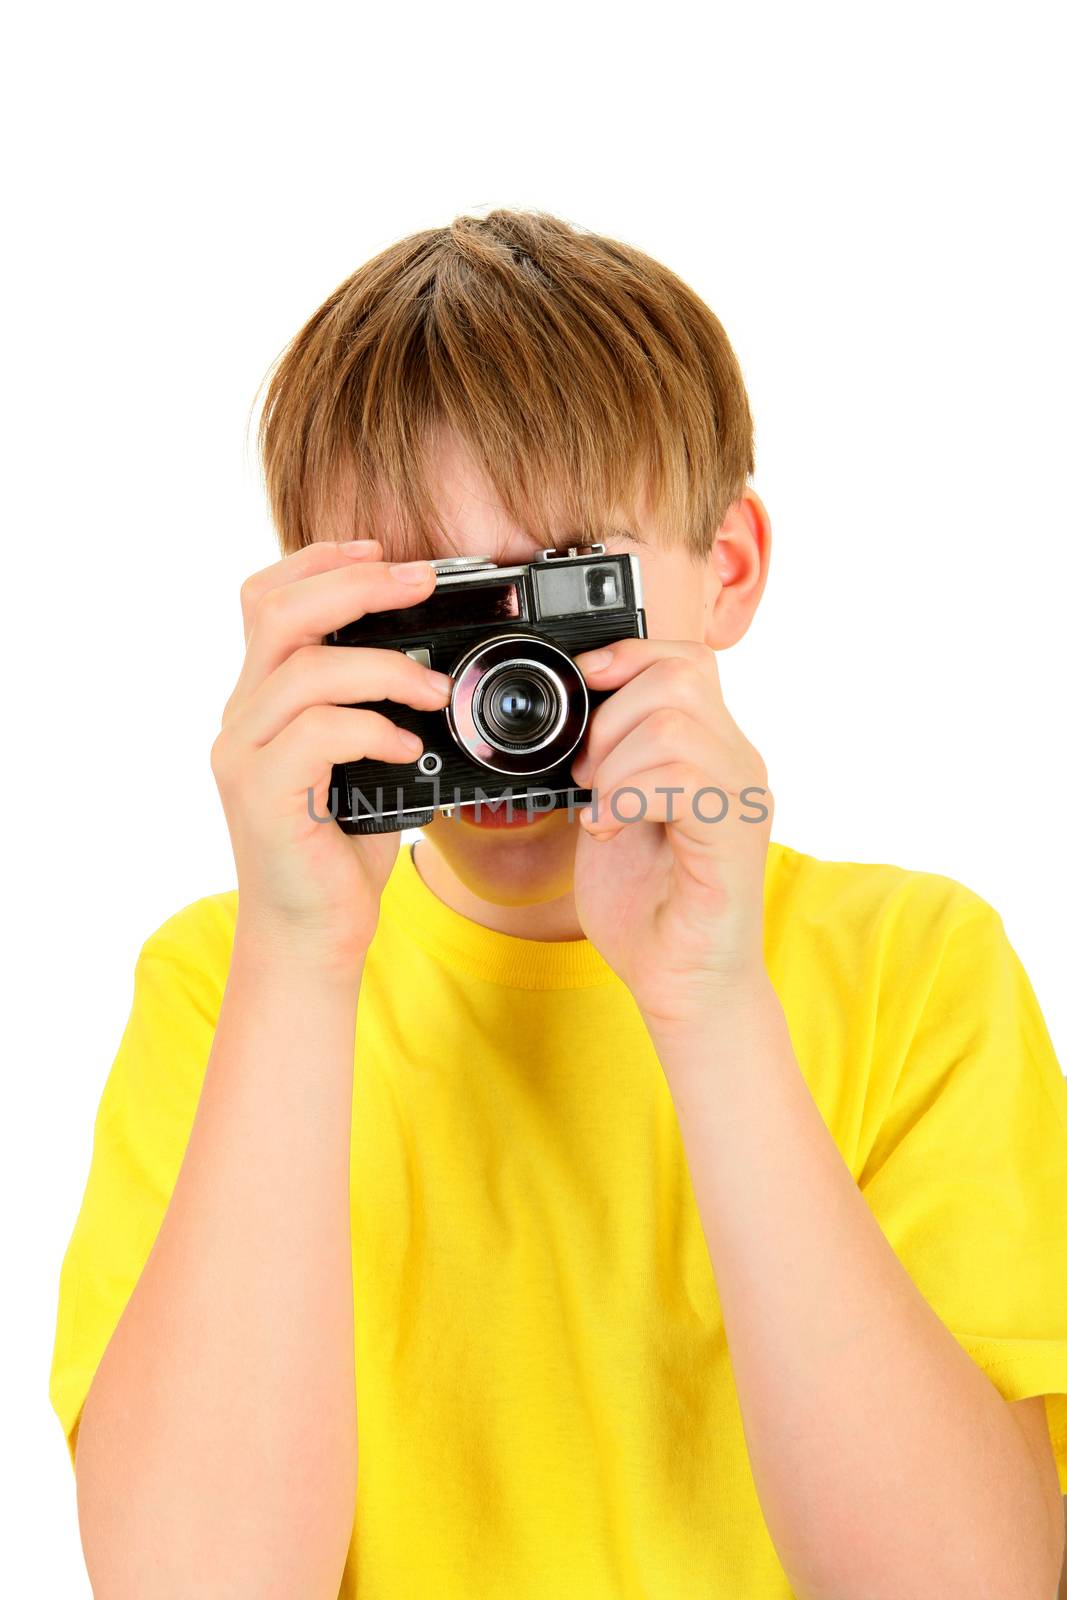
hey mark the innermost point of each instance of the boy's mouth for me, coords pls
(500, 814)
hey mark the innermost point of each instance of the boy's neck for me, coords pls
(551, 919)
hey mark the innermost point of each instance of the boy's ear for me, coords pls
(735, 571)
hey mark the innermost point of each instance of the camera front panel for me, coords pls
(465, 612)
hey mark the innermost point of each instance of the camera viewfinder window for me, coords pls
(564, 590)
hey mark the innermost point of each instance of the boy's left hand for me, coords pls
(673, 901)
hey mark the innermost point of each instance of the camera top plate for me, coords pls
(450, 568)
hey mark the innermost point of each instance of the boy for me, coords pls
(688, 1214)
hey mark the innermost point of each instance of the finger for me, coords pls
(322, 674)
(324, 555)
(684, 682)
(679, 794)
(301, 613)
(324, 736)
(610, 666)
(668, 735)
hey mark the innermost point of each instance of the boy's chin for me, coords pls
(512, 866)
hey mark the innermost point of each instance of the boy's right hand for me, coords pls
(305, 889)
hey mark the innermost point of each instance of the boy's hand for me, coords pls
(305, 889)
(674, 906)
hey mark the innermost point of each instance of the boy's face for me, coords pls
(709, 599)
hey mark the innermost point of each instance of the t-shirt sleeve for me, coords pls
(142, 1127)
(967, 1174)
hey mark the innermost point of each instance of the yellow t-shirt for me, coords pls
(544, 1391)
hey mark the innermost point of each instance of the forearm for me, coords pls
(885, 1461)
(217, 1447)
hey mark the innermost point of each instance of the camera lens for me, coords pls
(518, 708)
(519, 704)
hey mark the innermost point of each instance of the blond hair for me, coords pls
(581, 374)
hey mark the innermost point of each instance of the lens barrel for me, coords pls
(519, 704)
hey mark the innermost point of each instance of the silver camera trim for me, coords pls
(570, 552)
(506, 666)
(445, 565)
(570, 705)
(454, 569)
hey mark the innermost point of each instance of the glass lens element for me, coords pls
(518, 707)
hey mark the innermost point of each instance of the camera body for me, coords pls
(519, 706)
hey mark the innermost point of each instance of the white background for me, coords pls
(869, 198)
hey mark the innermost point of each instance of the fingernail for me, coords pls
(411, 571)
(410, 741)
(439, 681)
(596, 660)
(357, 547)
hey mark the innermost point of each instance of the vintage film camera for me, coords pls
(519, 706)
